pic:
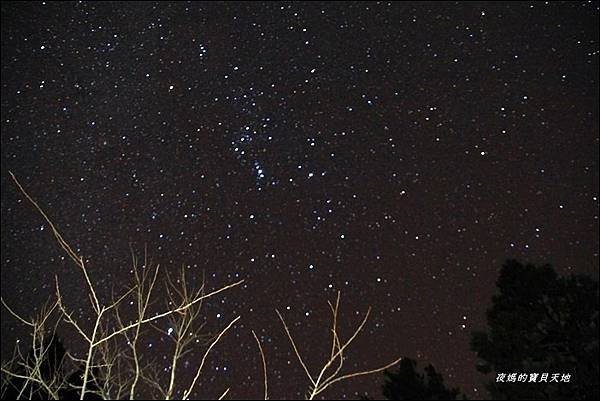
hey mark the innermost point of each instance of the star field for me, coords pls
(396, 151)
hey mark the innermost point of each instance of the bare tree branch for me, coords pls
(264, 362)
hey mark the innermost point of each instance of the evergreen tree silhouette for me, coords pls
(541, 323)
(407, 384)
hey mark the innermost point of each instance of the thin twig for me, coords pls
(224, 394)
(295, 348)
(264, 363)
(187, 393)
(19, 318)
(76, 258)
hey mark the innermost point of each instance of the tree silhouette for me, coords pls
(407, 384)
(541, 323)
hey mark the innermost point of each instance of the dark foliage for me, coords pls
(540, 322)
(52, 369)
(408, 384)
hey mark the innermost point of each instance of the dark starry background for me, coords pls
(398, 152)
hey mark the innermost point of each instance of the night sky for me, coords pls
(399, 152)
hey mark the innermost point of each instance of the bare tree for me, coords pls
(113, 366)
(329, 373)
(106, 313)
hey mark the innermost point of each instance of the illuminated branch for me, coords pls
(322, 382)
(264, 363)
